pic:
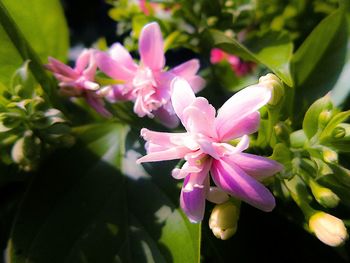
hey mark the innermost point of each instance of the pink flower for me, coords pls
(80, 80)
(238, 66)
(147, 84)
(206, 147)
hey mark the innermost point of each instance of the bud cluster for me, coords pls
(28, 126)
(313, 177)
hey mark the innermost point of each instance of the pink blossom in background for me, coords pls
(238, 66)
(147, 84)
(80, 80)
(205, 147)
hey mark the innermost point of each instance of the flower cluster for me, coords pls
(213, 143)
(146, 84)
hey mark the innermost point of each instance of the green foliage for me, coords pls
(31, 36)
(91, 204)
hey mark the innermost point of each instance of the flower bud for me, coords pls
(338, 133)
(329, 229)
(223, 220)
(298, 139)
(324, 196)
(324, 117)
(329, 155)
(276, 87)
(282, 131)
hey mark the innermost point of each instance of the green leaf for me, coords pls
(310, 123)
(81, 208)
(31, 30)
(318, 62)
(272, 49)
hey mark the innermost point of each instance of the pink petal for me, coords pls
(186, 70)
(113, 68)
(236, 129)
(193, 202)
(256, 166)
(199, 117)
(240, 106)
(151, 47)
(82, 61)
(60, 68)
(217, 55)
(186, 169)
(170, 154)
(182, 96)
(233, 180)
(198, 179)
(120, 54)
(197, 83)
(169, 120)
(165, 139)
(98, 104)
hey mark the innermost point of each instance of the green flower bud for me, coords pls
(329, 155)
(329, 229)
(338, 133)
(276, 86)
(282, 131)
(298, 139)
(223, 219)
(324, 117)
(324, 196)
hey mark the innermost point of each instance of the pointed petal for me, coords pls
(151, 46)
(193, 202)
(198, 179)
(185, 170)
(197, 83)
(82, 61)
(169, 120)
(165, 139)
(120, 54)
(233, 180)
(60, 68)
(182, 96)
(170, 154)
(236, 129)
(256, 166)
(113, 68)
(97, 104)
(187, 69)
(241, 105)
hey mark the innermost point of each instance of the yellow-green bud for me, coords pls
(329, 155)
(324, 196)
(324, 117)
(223, 219)
(275, 85)
(329, 229)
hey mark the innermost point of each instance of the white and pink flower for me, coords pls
(147, 84)
(206, 147)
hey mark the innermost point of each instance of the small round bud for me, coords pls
(276, 86)
(338, 133)
(223, 220)
(329, 155)
(329, 229)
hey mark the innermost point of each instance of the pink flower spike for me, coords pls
(80, 80)
(205, 146)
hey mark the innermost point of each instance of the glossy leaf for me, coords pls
(80, 208)
(318, 62)
(33, 35)
(276, 57)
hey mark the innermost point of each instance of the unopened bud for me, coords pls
(329, 155)
(338, 133)
(223, 219)
(282, 131)
(276, 87)
(329, 229)
(298, 139)
(324, 117)
(324, 196)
